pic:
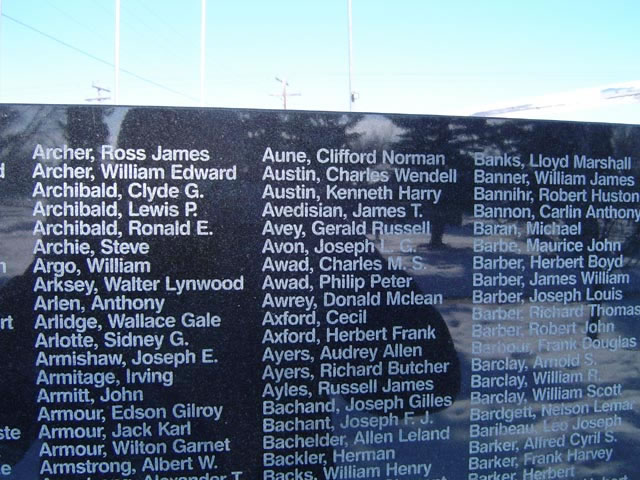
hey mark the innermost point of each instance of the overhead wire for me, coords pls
(147, 31)
(99, 4)
(96, 58)
(137, 22)
(162, 20)
(83, 25)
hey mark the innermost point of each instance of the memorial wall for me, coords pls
(238, 295)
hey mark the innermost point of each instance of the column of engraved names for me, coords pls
(296, 421)
(577, 273)
(499, 415)
(373, 353)
(9, 432)
(137, 347)
(160, 319)
(350, 362)
(70, 208)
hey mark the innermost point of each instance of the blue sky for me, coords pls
(410, 56)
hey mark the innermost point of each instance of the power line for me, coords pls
(76, 21)
(145, 30)
(97, 59)
(62, 42)
(98, 4)
(152, 11)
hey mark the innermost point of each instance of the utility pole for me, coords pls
(99, 91)
(284, 93)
